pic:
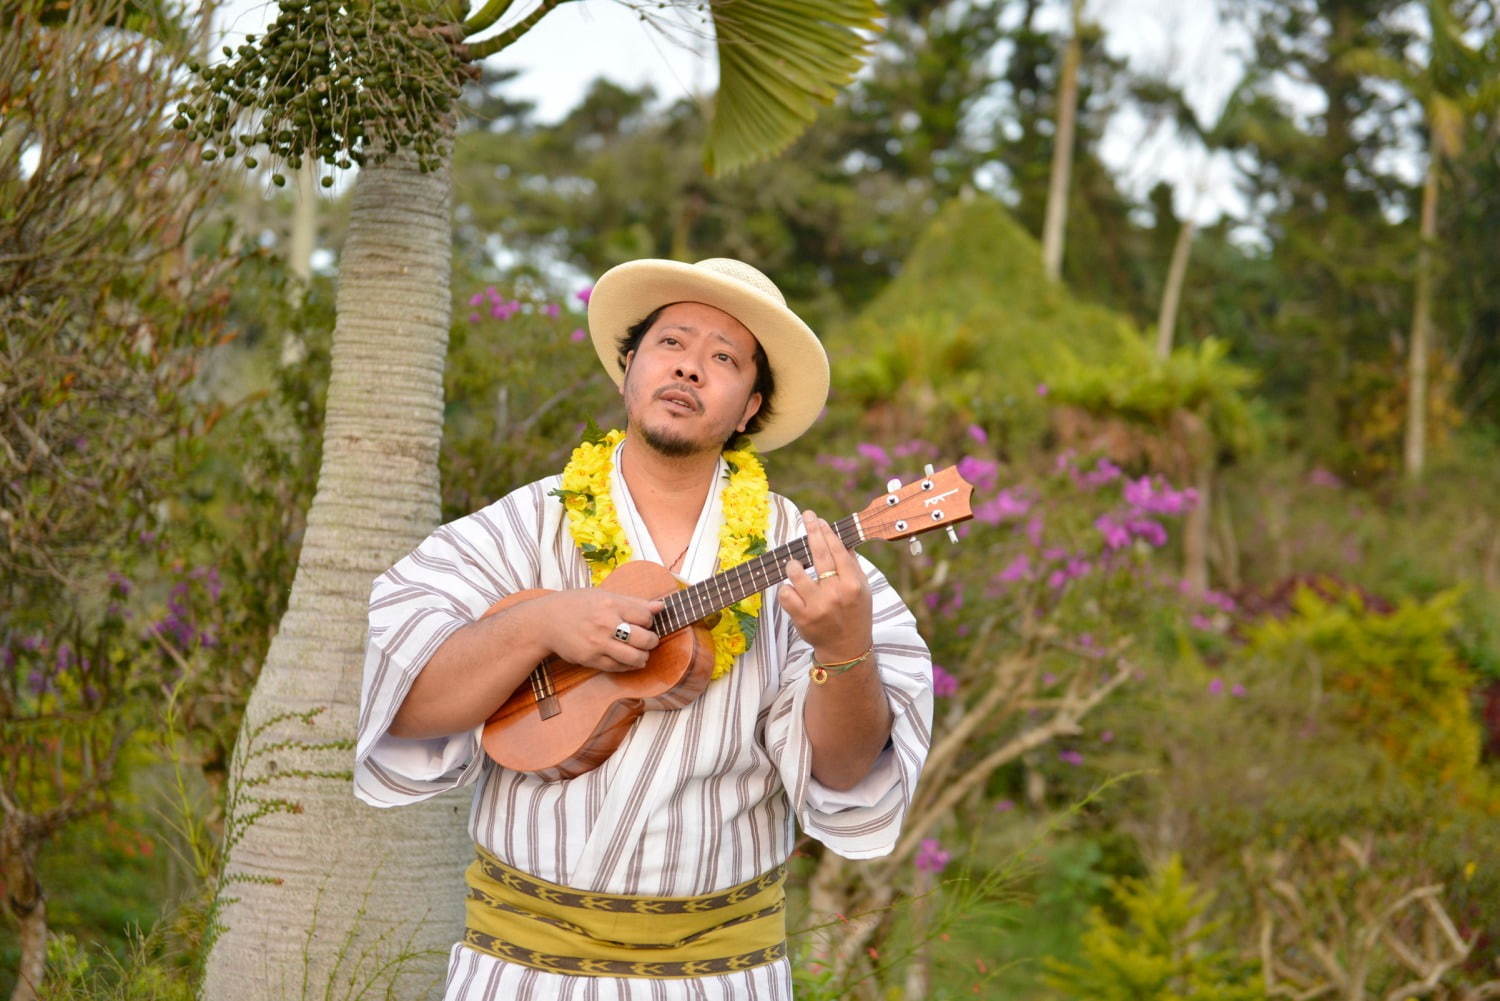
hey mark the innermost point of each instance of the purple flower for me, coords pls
(840, 463)
(1034, 530)
(36, 682)
(983, 473)
(552, 309)
(1151, 531)
(875, 455)
(931, 857)
(1041, 389)
(1219, 600)
(476, 298)
(1116, 535)
(1070, 757)
(583, 294)
(1049, 679)
(1004, 806)
(474, 318)
(1004, 505)
(943, 683)
(1103, 472)
(1152, 496)
(1216, 686)
(1238, 691)
(1201, 621)
(1017, 569)
(1107, 736)
(978, 434)
(579, 335)
(1320, 477)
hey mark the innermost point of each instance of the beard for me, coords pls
(671, 445)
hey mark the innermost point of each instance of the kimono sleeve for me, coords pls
(865, 821)
(447, 582)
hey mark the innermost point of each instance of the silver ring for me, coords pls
(622, 632)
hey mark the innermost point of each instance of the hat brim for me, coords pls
(627, 293)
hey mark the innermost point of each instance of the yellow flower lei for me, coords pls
(595, 526)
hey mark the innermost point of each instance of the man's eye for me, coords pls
(722, 356)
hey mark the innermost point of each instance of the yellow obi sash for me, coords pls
(521, 919)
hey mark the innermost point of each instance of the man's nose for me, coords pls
(687, 372)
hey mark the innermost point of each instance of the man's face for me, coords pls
(689, 384)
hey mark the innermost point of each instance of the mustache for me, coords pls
(682, 388)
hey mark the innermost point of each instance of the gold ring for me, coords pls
(828, 573)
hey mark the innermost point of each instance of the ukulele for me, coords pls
(565, 719)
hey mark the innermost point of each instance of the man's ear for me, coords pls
(752, 407)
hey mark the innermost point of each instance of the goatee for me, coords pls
(669, 445)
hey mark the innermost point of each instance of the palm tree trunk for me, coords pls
(1166, 319)
(1421, 327)
(322, 895)
(1062, 153)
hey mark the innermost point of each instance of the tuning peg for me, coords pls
(893, 484)
(927, 470)
(916, 547)
(952, 535)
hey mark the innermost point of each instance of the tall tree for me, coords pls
(1318, 174)
(320, 894)
(1062, 147)
(1452, 84)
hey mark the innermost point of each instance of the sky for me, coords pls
(1182, 39)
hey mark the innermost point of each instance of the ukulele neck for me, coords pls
(696, 601)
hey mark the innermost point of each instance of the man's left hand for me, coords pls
(831, 610)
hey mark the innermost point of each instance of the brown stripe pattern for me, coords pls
(572, 965)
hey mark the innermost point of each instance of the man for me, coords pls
(657, 874)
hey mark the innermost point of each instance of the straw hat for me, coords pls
(627, 293)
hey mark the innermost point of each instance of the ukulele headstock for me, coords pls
(935, 500)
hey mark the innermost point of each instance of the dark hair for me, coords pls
(765, 379)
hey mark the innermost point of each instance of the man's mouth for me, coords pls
(680, 400)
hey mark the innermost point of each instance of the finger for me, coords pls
(824, 544)
(798, 580)
(844, 560)
(626, 656)
(639, 613)
(791, 601)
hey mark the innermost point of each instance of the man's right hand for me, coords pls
(579, 627)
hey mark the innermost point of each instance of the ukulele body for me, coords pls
(566, 719)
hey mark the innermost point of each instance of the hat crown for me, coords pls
(744, 274)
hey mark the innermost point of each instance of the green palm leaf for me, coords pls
(778, 61)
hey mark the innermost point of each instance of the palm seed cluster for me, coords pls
(342, 82)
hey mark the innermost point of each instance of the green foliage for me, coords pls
(1393, 678)
(1131, 382)
(1158, 949)
(521, 387)
(969, 329)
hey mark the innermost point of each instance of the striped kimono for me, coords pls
(693, 801)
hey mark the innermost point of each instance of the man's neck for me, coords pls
(666, 485)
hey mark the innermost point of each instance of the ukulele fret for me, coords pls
(697, 601)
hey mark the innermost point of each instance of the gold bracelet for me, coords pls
(820, 672)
